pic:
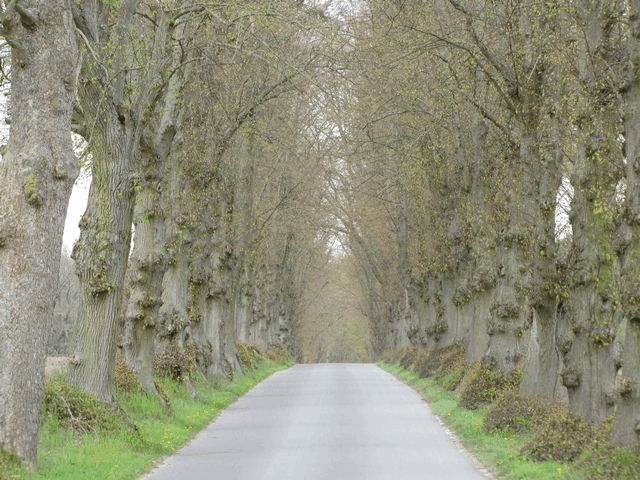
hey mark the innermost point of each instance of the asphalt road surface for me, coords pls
(323, 422)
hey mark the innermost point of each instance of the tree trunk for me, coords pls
(149, 256)
(511, 309)
(244, 233)
(542, 360)
(146, 267)
(591, 310)
(626, 425)
(36, 177)
(101, 256)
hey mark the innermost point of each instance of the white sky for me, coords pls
(77, 206)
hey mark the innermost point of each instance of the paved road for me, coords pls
(323, 422)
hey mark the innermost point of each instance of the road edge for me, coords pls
(459, 442)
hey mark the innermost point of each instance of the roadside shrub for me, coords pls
(76, 410)
(451, 378)
(422, 357)
(404, 356)
(409, 357)
(177, 362)
(277, 352)
(605, 462)
(446, 364)
(560, 436)
(248, 355)
(424, 365)
(482, 385)
(123, 378)
(395, 355)
(446, 357)
(390, 355)
(512, 412)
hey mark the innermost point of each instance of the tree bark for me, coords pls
(149, 255)
(146, 267)
(36, 177)
(101, 256)
(244, 233)
(626, 425)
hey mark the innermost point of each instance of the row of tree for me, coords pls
(489, 189)
(477, 162)
(203, 136)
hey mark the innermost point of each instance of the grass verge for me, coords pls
(501, 451)
(103, 454)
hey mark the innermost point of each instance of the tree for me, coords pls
(37, 173)
(116, 94)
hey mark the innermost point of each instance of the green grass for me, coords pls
(9, 466)
(500, 452)
(101, 455)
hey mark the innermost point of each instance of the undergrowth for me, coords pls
(177, 361)
(605, 463)
(248, 355)
(483, 384)
(513, 413)
(560, 435)
(277, 352)
(10, 468)
(124, 378)
(77, 411)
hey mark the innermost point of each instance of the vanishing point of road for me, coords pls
(323, 422)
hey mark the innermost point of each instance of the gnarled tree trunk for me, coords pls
(101, 256)
(626, 425)
(36, 177)
(146, 267)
